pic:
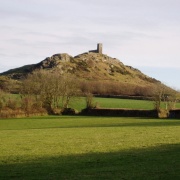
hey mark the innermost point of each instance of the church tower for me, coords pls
(99, 48)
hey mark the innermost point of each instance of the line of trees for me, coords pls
(52, 91)
(116, 88)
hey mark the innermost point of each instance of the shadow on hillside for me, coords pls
(161, 162)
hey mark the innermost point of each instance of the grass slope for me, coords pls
(89, 148)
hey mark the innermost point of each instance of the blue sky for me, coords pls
(144, 34)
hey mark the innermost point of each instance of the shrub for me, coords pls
(89, 101)
(12, 104)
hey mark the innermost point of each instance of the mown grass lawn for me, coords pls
(66, 147)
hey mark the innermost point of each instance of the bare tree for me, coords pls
(70, 89)
(89, 101)
(50, 87)
(164, 99)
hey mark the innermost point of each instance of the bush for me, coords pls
(89, 101)
(12, 104)
(16, 107)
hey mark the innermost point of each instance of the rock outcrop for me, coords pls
(54, 61)
(89, 66)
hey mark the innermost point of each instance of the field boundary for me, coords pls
(175, 114)
(120, 112)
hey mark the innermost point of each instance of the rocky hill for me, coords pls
(92, 67)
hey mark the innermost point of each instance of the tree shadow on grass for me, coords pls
(162, 162)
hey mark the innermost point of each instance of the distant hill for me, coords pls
(92, 67)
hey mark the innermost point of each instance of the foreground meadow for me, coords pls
(66, 147)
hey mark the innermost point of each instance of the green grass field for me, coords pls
(79, 103)
(66, 147)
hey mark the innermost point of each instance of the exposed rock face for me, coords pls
(62, 57)
(54, 61)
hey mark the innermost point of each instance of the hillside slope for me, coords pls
(91, 68)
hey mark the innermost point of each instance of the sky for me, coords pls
(144, 34)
